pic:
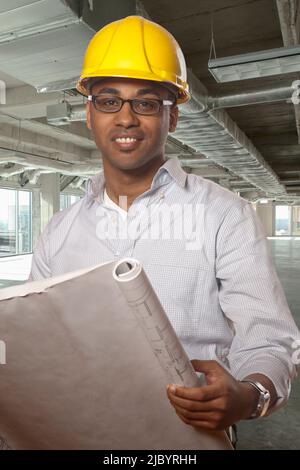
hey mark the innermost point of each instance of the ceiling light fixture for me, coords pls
(256, 64)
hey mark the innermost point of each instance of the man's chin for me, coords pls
(128, 162)
(129, 166)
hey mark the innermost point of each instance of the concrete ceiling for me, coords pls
(239, 26)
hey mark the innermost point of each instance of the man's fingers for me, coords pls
(196, 423)
(198, 407)
(197, 394)
(194, 416)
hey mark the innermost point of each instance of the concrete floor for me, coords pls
(14, 270)
(279, 431)
(282, 429)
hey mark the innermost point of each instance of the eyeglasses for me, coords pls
(139, 106)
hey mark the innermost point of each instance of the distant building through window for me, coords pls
(67, 200)
(287, 220)
(15, 222)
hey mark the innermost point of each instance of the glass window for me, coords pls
(15, 222)
(283, 218)
(67, 200)
(8, 238)
(24, 222)
(287, 221)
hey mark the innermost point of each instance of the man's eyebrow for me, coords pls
(141, 92)
(110, 91)
(148, 91)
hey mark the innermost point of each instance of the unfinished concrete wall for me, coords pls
(49, 197)
(266, 214)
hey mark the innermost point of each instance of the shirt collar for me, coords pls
(170, 170)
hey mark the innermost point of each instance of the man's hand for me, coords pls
(219, 404)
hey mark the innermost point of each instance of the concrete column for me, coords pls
(36, 216)
(50, 192)
(266, 214)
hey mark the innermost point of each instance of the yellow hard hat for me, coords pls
(135, 47)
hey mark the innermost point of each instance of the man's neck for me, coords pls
(131, 183)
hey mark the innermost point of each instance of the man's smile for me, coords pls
(127, 142)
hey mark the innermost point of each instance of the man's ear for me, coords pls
(88, 115)
(173, 118)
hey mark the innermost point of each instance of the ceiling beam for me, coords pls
(283, 150)
(291, 181)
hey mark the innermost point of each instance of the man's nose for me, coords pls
(126, 117)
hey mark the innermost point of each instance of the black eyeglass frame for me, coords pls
(161, 103)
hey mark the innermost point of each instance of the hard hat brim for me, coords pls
(183, 94)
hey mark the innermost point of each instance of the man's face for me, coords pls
(147, 134)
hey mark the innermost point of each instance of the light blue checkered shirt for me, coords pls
(223, 298)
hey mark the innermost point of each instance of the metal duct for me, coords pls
(297, 118)
(34, 175)
(44, 41)
(14, 170)
(32, 162)
(78, 183)
(255, 97)
(78, 112)
(215, 135)
(63, 113)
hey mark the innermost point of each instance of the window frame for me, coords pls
(17, 224)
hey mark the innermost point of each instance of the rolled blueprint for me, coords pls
(157, 328)
(78, 371)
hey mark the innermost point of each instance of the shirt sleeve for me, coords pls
(40, 266)
(252, 299)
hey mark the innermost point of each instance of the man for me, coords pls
(220, 291)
